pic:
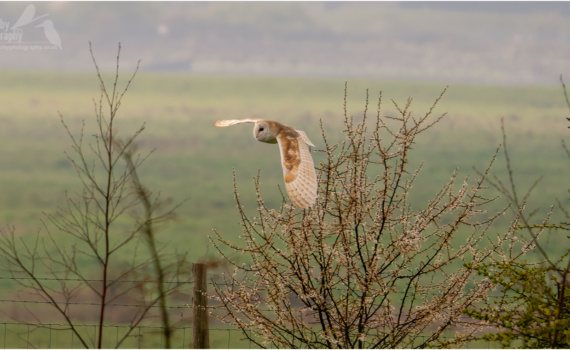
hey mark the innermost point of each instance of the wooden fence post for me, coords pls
(200, 306)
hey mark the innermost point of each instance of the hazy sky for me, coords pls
(482, 42)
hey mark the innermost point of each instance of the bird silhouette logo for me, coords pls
(28, 16)
(50, 33)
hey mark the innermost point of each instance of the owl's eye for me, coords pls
(260, 129)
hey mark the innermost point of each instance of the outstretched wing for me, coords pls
(298, 168)
(230, 122)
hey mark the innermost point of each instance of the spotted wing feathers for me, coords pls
(298, 169)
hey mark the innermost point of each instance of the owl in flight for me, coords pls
(298, 169)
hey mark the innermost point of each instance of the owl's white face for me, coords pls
(263, 133)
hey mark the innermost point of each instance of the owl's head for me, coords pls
(264, 132)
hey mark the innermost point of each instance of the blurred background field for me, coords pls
(467, 41)
(193, 160)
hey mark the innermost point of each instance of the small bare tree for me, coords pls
(532, 309)
(365, 267)
(89, 258)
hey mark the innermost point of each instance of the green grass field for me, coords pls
(193, 160)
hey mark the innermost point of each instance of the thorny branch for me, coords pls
(364, 267)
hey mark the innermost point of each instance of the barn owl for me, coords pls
(298, 169)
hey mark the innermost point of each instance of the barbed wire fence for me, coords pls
(194, 328)
(52, 336)
(28, 321)
(16, 335)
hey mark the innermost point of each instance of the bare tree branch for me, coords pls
(84, 239)
(364, 267)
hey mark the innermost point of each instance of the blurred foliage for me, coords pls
(527, 314)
